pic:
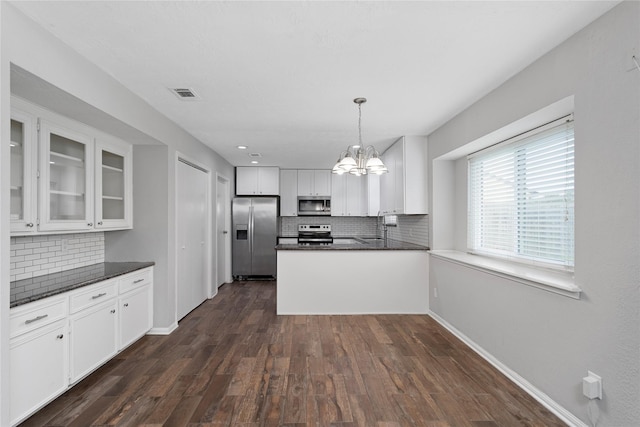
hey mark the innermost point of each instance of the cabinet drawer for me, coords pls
(31, 316)
(92, 295)
(133, 281)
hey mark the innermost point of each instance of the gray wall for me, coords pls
(114, 108)
(149, 238)
(548, 339)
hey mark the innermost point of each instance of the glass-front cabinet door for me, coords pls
(23, 172)
(113, 185)
(66, 178)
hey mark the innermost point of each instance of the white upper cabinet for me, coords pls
(350, 195)
(314, 182)
(404, 189)
(246, 181)
(257, 181)
(338, 195)
(114, 184)
(66, 178)
(356, 195)
(288, 192)
(24, 155)
(373, 195)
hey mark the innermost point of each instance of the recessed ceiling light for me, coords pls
(241, 147)
(255, 162)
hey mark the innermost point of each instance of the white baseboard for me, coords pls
(566, 416)
(163, 331)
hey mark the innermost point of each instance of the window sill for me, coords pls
(556, 282)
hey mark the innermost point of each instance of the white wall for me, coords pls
(30, 47)
(548, 339)
(4, 225)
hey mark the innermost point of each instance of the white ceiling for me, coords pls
(280, 77)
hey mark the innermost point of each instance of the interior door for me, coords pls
(191, 227)
(222, 228)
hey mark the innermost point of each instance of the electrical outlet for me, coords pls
(435, 292)
(592, 386)
(64, 245)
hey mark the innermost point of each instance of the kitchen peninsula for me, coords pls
(361, 276)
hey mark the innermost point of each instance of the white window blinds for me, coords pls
(521, 197)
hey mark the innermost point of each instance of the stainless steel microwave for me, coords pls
(314, 205)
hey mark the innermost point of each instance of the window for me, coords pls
(521, 197)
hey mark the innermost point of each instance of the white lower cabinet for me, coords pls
(39, 368)
(93, 338)
(57, 341)
(135, 315)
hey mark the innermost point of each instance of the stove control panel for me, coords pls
(325, 228)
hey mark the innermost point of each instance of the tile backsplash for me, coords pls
(410, 228)
(341, 226)
(33, 256)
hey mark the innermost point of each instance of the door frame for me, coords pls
(209, 289)
(223, 181)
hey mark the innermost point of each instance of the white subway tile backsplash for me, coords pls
(24, 276)
(33, 256)
(340, 226)
(410, 228)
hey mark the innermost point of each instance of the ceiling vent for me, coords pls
(255, 155)
(185, 94)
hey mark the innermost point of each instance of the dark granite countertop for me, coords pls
(33, 289)
(356, 244)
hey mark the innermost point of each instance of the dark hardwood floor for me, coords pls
(233, 362)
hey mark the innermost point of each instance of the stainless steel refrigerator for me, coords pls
(255, 235)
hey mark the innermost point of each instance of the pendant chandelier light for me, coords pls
(357, 159)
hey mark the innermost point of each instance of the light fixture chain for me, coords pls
(360, 124)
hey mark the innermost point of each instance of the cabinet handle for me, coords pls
(138, 281)
(100, 223)
(126, 304)
(113, 311)
(99, 295)
(29, 224)
(35, 319)
(60, 336)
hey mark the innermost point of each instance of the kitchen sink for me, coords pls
(346, 241)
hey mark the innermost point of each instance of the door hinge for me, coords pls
(38, 174)
(38, 125)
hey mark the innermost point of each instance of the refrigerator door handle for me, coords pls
(251, 224)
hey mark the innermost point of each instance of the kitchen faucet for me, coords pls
(387, 221)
